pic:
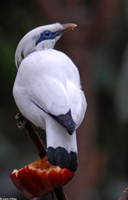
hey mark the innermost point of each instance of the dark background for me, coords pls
(99, 47)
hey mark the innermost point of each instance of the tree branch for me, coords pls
(39, 145)
(60, 194)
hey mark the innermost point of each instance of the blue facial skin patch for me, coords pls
(48, 35)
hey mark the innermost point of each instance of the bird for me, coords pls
(47, 91)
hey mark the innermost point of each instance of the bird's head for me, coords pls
(41, 38)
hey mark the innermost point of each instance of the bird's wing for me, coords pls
(77, 101)
(50, 95)
(58, 99)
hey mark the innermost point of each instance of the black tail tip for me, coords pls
(60, 156)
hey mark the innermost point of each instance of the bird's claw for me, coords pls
(21, 121)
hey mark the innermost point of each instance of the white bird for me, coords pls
(47, 91)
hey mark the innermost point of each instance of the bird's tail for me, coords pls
(61, 147)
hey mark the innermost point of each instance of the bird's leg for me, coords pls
(37, 141)
(21, 121)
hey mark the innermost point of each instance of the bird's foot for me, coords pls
(21, 121)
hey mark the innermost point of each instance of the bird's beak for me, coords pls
(68, 26)
(65, 27)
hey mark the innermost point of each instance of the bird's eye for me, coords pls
(47, 35)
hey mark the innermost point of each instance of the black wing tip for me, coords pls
(66, 121)
(60, 156)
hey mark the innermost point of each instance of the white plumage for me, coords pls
(47, 92)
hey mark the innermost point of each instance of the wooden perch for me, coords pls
(38, 143)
